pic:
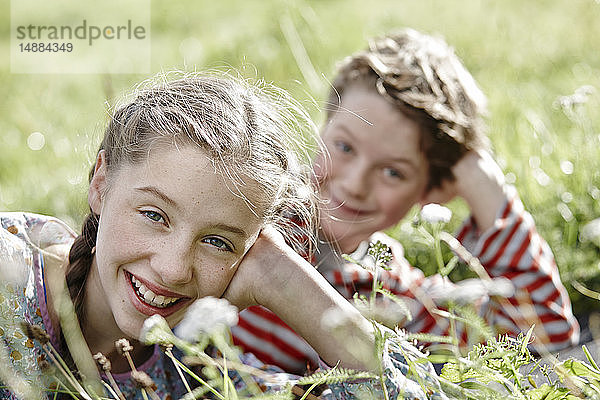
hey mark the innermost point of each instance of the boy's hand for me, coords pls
(479, 181)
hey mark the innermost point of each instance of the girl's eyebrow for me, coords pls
(158, 193)
(232, 229)
(347, 130)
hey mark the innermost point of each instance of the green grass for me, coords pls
(524, 55)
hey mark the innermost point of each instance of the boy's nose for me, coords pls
(355, 182)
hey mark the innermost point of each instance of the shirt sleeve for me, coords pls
(514, 250)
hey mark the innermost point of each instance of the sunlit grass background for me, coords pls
(525, 55)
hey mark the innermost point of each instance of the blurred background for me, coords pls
(538, 62)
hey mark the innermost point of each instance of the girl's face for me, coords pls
(377, 170)
(170, 232)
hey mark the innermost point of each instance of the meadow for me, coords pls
(537, 61)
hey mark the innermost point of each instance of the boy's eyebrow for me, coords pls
(404, 161)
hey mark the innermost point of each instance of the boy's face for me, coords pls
(170, 231)
(377, 170)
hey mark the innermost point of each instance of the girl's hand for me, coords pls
(480, 182)
(262, 268)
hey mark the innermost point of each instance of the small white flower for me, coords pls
(469, 291)
(434, 213)
(155, 330)
(206, 316)
(591, 231)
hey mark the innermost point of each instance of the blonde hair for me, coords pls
(249, 129)
(422, 76)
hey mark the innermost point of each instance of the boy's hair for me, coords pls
(249, 129)
(423, 77)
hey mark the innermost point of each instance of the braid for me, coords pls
(80, 262)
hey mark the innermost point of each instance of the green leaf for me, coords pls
(335, 375)
(547, 392)
(427, 337)
(579, 368)
(589, 357)
(449, 266)
(440, 358)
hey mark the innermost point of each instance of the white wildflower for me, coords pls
(434, 213)
(591, 231)
(470, 291)
(155, 330)
(206, 316)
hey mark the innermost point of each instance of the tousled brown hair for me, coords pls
(422, 76)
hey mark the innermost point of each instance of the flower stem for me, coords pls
(172, 357)
(196, 377)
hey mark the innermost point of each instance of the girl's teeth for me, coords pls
(150, 297)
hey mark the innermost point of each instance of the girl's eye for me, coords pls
(220, 244)
(153, 215)
(343, 146)
(393, 173)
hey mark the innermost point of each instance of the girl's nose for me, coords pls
(175, 264)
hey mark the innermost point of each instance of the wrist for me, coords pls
(480, 182)
(276, 275)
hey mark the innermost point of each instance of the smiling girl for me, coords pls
(187, 199)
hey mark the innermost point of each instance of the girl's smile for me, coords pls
(150, 299)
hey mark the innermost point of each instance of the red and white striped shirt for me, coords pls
(511, 249)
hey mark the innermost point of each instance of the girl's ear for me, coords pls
(98, 184)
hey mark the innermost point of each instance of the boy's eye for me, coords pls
(393, 173)
(343, 146)
(218, 243)
(153, 215)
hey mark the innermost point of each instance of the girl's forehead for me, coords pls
(193, 180)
